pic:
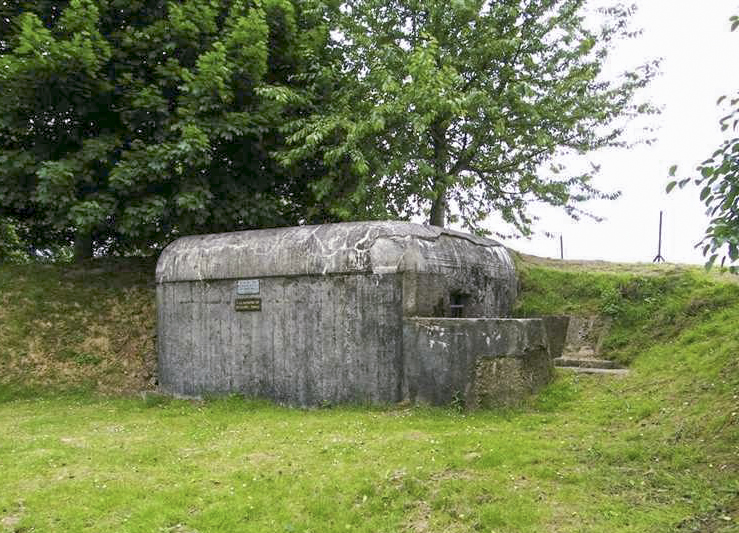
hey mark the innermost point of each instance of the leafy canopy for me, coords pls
(718, 180)
(462, 107)
(124, 123)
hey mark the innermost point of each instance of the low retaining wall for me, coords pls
(479, 361)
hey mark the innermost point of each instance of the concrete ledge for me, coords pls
(556, 327)
(602, 371)
(480, 361)
(586, 363)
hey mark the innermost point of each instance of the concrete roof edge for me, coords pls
(315, 249)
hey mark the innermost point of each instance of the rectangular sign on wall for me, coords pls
(248, 304)
(247, 286)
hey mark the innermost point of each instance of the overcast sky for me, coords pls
(699, 65)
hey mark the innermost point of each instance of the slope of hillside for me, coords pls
(68, 327)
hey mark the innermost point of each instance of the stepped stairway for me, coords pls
(582, 348)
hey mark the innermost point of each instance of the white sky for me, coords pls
(699, 65)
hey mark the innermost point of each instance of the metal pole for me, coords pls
(659, 258)
(561, 248)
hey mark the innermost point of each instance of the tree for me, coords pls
(124, 123)
(463, 107)
(718, 180)
(11, 247)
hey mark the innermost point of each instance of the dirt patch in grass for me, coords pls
(722, 518)
(422, 517)
(10, 521)
(260, 458)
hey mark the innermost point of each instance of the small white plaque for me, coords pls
(247, 286)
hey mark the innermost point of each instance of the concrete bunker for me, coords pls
(365, 312)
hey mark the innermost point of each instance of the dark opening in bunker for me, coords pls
(458, 302)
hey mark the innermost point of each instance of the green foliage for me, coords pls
(718, 181)
(11, 247)
(129, 123)
(457, 109)
(611, 302)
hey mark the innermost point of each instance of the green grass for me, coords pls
(643, 307)
(655, 451)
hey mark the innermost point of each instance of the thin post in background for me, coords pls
(659, 258)
(561, 247)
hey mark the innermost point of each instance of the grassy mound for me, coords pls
(64, 327)
(657, 450)
(646, 305)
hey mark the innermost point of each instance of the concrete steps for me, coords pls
(586, 370)
(589, 366)
(582, 362)
(582, 348)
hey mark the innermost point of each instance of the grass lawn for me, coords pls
(655, 451)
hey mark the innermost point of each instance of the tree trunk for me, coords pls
(438, 210)
(82, 246)
(439, 207)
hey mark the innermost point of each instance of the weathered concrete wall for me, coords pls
(454, 271)
(484, 362)
(317, 340)
(585, 335)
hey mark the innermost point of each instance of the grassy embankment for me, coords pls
(655, 451)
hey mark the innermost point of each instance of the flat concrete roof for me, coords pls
(349, 247)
